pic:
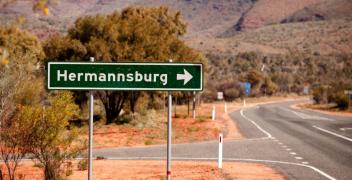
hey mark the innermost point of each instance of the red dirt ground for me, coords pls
(117, 169)
(185, 130)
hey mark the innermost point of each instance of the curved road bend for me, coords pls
(300, 144)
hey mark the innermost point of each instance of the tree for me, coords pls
(320, 94)
(19, 53)
(52, 143)
(269, 87)
(10, 147)
(136, 34)
(255, 78)
(16, 135)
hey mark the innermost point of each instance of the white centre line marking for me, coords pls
(305, 162)
(293, 153)
(332, 133)
(297, 157)
(288, 149)
(344, 129)
(306, 116)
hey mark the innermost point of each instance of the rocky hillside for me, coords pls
(313, 37)
(231, 26)
(204, 17)
(266, 12)
(325, 10)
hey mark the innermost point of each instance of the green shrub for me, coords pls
(148, 142)
(231, 94)
(319, 95)
(341, 100)
(150, 119)
(82, 165)
(192, 129)
(124, 119)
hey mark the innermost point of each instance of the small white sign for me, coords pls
(220, 95)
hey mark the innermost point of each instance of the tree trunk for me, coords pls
(133, 100)
(51, 172)
(113, 103)
(175, 106)
(111, 114)
(11, 173)
(188, 106)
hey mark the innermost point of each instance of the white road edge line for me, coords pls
(255, 124)
(229, 159)
(332, 133)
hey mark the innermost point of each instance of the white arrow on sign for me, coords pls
(186, 77)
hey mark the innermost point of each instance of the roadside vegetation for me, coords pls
(45, 125)
(326, 76)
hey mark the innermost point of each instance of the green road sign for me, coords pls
(125, 76)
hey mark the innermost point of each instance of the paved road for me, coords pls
(301, 144)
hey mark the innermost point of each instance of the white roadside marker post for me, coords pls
(225, 107)
(169, 135)
(220, 151)
(90, 141)
(213, 114)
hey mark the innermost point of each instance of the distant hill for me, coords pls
(230, 26)
(319, 37)
(266, 12)
(205, 17)
(325, 10)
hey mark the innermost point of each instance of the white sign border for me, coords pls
(127, 89)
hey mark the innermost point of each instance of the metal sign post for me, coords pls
(169, 135)
(90, 143)
(194, 105)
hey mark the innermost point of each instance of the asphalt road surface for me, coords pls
(300, 144)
